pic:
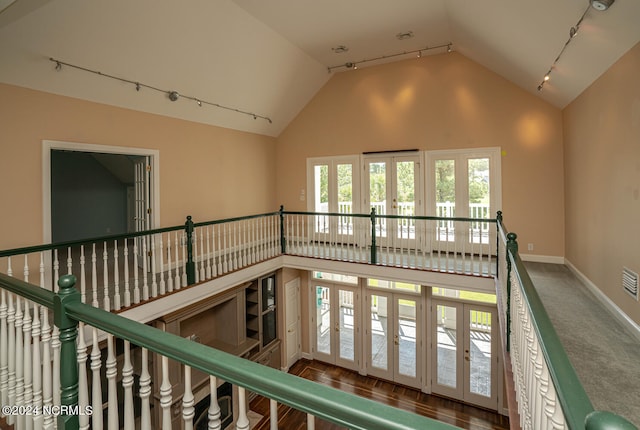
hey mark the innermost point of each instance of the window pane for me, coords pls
(478, 199)
(336, 277)
(464, 295)
(403, 286)
(321, 183)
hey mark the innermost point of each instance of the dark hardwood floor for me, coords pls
(446, 410)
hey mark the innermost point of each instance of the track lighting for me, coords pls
(573, 31)
(354, 64)
(171, 94)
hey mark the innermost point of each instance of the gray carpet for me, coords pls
(604, 353)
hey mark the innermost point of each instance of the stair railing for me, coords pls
(547, 390)
(75, 399)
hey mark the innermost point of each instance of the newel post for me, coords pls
(283, 239)
(512, 248)
(68, 352)
(190, 264)
(600, 420)
(374, 256)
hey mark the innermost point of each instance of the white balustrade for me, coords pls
(188, 410)
(83, 386)
(127, 384)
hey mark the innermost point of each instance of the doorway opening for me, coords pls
(97, 190)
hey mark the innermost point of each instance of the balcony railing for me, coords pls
(38, 363)
(116, 272)
(544, 384)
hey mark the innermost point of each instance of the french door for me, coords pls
(464, 352)
(464, 184)
(336, 323)
(393, 337)
(393, 188)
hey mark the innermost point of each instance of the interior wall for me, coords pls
(602, 180)
(205, 171)
(432, 103)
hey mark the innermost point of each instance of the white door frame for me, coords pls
(52, 145)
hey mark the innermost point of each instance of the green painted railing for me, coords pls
(321, 401)
(577, 408)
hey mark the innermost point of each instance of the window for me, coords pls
(393, 285)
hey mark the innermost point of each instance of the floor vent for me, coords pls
(630, 282)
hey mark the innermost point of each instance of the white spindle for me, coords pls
(254, 242)
(220, 253)
(19, 352)
(243, 231)
(145, 391)
(112, 373)
(136, 281)
(273, 414)
(127, 292)
(47, 384)
(116, 278)
(94, 277)
(69, 261)
(194, 255)
(213, 414)
(225, 266)
(4, 352)
(127, 385)
(235, 246)
(165, 395)
(36, 364)
(83, 277)
(311, 422)
(243, 421)
(96, 381)
(83, 386)
(209, 273)
(11, 358)
(169, 268)
(177, 281)
(188, 411)
(56, 268)
(202, 256)
(152, 254)
(145, 258)
(184, 260)
(106, 300)
(163, 284)
(28, 362)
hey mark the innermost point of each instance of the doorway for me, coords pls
(336, 322)
(392, 187)
(464, 352)
(151, 199)
(394, 336)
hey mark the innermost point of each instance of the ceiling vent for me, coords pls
(405, 35)
(601, 4)
(630, 282)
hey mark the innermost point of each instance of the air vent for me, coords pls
(630, 282)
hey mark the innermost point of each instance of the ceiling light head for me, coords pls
(173, 95)
(404, 35)
(349, 65)
(339, 49)
(449, 49)
(601, 4)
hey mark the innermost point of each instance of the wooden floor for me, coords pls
(449, 411)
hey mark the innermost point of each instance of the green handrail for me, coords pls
(576, 405)
(324, 402)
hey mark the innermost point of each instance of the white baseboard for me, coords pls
(618, 313)
(542, 258)
(307, 355)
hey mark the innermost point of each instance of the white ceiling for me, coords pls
(270, 57)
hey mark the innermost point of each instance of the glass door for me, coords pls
(393, 338)
(393, 189)
(464, 356)
(463, 184)
(336, 322)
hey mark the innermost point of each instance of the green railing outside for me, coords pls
(577, 408)
(321, 401)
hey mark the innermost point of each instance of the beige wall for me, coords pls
(438, 102)
(205, 171)
(602, 179)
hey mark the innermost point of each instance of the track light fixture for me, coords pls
(171, 94)
(354, 64)
(573, 32)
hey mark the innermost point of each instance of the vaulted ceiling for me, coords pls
(247, 61)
